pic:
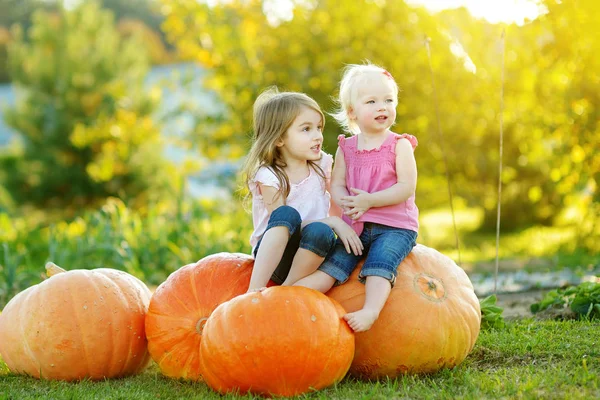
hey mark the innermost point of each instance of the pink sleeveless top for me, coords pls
(375, 170)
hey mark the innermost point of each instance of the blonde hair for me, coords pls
(353, 74)
(274, 113)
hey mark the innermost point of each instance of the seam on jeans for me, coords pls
(372, 272)
(380, 265)
(331, 267)
(281, 223)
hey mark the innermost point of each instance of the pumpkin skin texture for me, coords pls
(430, 321)
(79, 324)
(282, 341)
(181, 305)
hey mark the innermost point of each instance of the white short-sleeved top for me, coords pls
(308, 197)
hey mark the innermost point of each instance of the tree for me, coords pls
(82, 112)
(550, 95)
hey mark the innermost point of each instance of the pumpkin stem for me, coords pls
(200, 325)
(53, 269)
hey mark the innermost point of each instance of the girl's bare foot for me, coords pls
(361, 320)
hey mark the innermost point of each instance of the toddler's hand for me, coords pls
(355, 206)
(349, 238)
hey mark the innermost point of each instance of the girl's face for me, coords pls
(374, 109)
(303, 139)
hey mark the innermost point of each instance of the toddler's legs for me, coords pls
(283, 223)
(389, 247)
(377, 291)
(316, 241)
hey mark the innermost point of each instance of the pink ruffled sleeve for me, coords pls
(342, 143)
(413, 140)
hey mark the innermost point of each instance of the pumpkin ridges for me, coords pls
(137, 304)
(202, 286)
(229, 336)
(129, 306)
(218, 373)
(13, 309)
(250, 343)
(59, 327)
(336, 350)
(418, 330)
(113, 353)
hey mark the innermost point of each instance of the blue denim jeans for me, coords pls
(385, 248)
(316, 237)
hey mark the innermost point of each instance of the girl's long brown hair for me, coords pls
(274, 113)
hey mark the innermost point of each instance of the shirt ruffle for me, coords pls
(389, 144)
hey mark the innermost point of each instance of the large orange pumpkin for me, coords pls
(77, 324)
(431, 319)
(181, 305)
(283, 341)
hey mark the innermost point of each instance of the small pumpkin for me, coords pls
(77, 324)
(283, 341)
(181, 305)
(430, 321)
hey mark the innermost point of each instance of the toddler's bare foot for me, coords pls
(361, 320)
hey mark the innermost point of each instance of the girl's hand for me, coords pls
(348, 237)
(355, 206)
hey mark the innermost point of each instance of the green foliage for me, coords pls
(3, 367)
(491, 314)
(4, 40)
(148, 242)
(583, 299)
(82, 112)
(551, 89)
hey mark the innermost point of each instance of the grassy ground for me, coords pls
(528, 359)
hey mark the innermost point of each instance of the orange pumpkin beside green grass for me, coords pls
(283, 341)
(77, 324)
(181, 305)
(431, 319)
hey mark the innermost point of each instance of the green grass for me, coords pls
(528, 359)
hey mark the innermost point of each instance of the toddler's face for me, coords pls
(374, 108)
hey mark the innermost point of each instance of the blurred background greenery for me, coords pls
(124, 121)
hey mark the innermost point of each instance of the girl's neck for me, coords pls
(374, 135)
(370, 140)
(296, 170)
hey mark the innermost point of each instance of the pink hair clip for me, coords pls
(386, 73)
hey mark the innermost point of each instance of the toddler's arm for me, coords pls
(338, 178)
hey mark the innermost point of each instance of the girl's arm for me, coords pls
(271, 197)
(406, 172)
(344, 231)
